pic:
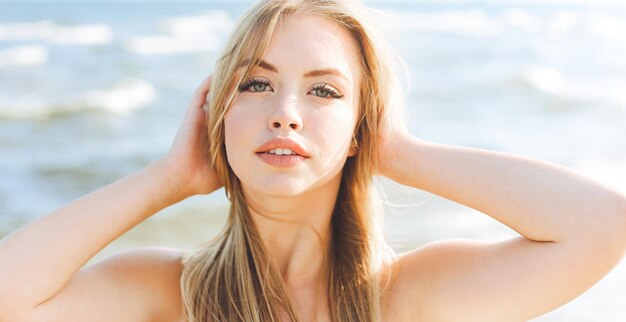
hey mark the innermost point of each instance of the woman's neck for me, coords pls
(296, 231)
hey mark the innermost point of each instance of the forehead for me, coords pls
(307, 42)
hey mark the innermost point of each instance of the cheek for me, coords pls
(334, 129)
(238, 130)
(239, 122)
(231, 131)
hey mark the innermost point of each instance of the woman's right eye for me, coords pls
(255, 85)
(258, 87)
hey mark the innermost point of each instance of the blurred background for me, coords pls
(92, 91)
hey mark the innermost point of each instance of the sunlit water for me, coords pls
(91, 92)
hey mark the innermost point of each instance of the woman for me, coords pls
(299, 120)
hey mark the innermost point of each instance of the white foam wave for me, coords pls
(125, 97)
(522, 20)
(606, 26)
(548, 3)
(602, 24)
(96, 34)
(165, 44)
(586, 3)
(122, 98)
(212, 21)
(552, 82)
(185, 34)
(34, 55)
(465, 22)
(545, 79)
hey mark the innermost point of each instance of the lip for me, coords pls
(282, 161)
(283, 143)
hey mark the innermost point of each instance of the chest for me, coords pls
(314, 313)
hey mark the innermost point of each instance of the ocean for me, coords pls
(93, 91)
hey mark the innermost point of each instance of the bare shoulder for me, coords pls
(157, 270)
(410, 271)
(419, 274)
(141, 284)
(467, 280)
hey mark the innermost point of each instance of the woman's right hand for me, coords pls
(188, 158)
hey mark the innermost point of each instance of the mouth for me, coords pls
(283, 147)
(281, 158)
(281, 152)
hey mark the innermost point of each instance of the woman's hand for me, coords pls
(188, 158)
(383, 150)
(391, 133)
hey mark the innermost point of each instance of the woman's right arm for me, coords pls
(40, 259)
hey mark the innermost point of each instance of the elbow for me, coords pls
(613, 231)
(621, 219)
(602, 234)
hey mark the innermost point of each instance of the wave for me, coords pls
(552, 82)
(185, 34)
(34, 55)
(466, 22)
(211, 21)
(547, 3)
(586, 3)
(598, 24)
(96, 34)
(123, 98)
(156, 45)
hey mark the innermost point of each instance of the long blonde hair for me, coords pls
(231, 278)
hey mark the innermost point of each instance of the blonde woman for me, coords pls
(298, 117)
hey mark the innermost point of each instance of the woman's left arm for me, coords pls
(565, 218)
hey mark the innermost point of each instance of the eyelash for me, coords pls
(251, 82)
(332, 93)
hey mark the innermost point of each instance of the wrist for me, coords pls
(170, 178)
(391, 153)
(402, 156)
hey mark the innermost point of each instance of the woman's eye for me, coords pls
(324, 91)
(321, 92)
(254, 85)
(259, 87)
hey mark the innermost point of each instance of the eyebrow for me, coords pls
(261, 63)
(313, 73)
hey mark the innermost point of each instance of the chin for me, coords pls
(276, 187)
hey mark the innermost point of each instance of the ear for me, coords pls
(354, 147)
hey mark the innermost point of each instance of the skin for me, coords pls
(572, 229)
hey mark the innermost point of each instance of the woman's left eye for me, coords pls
(325, 91)
(321, 92)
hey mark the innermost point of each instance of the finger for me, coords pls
(200, 96)
(204, 87)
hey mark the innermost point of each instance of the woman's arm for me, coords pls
(39, 259)
(540, 200)
(566, 220)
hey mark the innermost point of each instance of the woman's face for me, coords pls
(303, 97)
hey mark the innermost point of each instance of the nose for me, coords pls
(286, 116)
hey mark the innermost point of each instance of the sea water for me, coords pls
(93, 91)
